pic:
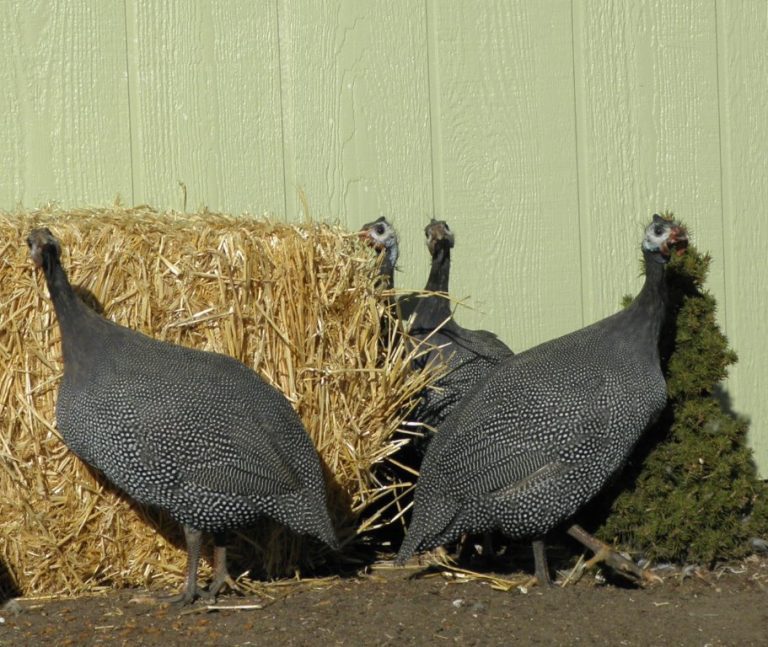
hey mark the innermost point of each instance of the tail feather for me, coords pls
(307, 514)
(433, 523)
(322, 527)
(325, 532)
(409, 546)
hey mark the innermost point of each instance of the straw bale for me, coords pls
(296, 303)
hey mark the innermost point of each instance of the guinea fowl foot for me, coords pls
(541, 567)
(189, 596)
(217, 585)
(191, 591)
(221, 576)
(610, 557)
(182, 599)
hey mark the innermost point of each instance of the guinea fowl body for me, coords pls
(195, 433)
(165, 442)
(548, 428)
(468, 355)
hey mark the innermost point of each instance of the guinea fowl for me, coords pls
(194, 433)
(381, 235)
(467, 354)
(549, 427)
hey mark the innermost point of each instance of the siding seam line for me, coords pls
(129, 88)
(723, 191)
(577, 151)
(435, 141)
(286, 215)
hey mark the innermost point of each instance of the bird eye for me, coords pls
(658, 230)
(380, 230)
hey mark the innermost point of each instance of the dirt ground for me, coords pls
(726, 606)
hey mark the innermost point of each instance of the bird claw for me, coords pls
(649, 577)
(623, 566)
(604, 553)
(217, 585)
(185, 598)
(533, 581)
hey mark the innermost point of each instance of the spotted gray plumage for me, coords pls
(544, 433)
(468, 355)
(197, 434)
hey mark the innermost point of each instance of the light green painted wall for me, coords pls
(545, 131)
(64, 120)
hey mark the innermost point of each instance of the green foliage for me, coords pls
(694, 494)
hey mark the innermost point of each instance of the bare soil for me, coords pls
(726, 606)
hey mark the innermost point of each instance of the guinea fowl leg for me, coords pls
(193, 538)
(604, 553)
(540, 563)
(220, 572)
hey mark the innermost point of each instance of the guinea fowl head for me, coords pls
(438, 232)
(380, 235)
(663, 236)
(42, 243)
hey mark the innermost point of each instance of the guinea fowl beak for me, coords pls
(366, 237)
(678, 239)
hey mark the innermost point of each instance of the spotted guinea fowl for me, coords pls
(194, 433)
(381, 235)
(467, 354)
(549, 427)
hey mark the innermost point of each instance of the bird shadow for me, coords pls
(9, 588)
(724, 399)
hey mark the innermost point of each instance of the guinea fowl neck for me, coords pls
(439, 275)
(388, 265)
(649, 307)
(73, 315)
(440, 272)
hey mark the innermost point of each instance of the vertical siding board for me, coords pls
(508, 160)
(64, 125)
(743, 44)
(356, 115)
(15, 122)
(545, 133)
(649, 135)
(205, 104)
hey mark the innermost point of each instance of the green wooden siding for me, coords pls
(545, 131)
